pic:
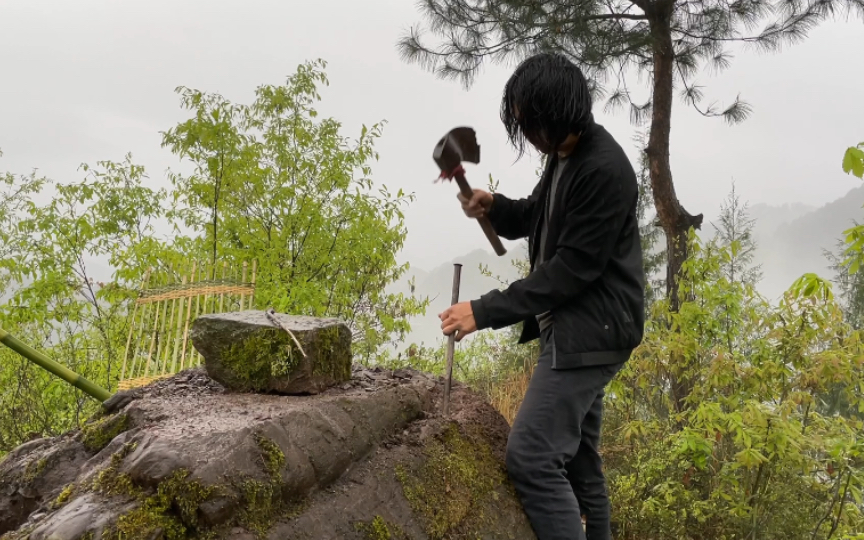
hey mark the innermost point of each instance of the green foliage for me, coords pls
(270, 181)
(273, 181)
(850, 286)
(54, 302)
(853, 160)
(735, 231)
(718, 425)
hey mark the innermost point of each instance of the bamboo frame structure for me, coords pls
(168, 302)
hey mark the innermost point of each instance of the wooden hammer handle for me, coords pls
(467, 192)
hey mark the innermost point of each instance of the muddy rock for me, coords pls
(247, 351)
(186, 458)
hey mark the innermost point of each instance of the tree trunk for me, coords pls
(676, 221)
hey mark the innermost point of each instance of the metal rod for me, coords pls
(91, 389)
(451, 340)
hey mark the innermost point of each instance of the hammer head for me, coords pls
(459, 145)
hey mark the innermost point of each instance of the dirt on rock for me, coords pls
(371, 459)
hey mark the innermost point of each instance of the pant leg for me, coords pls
(585, 472)
(545, 437)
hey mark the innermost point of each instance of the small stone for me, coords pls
(245, 351)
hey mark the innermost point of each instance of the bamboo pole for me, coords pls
(207, 295)
(90, 388)
(152, 340)
(222, 294)
(243, 280)
(252, 293)
(188, 314)
(132, 326)
(177, 333)
(198, 309)
(140, 339)
(171, 332)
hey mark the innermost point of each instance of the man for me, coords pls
(583, 297)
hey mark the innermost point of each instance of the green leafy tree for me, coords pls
(612, 42)
(274, 183)
(754, 455)
(56, 303)
(853, 163)
(14, 198)
(850, 285)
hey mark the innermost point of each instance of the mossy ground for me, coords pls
(96, 435)
(380, 529)
(172, 509)
(449, 489)
(263, 500)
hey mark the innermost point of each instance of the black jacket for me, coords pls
(592, 279)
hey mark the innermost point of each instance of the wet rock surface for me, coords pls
(257, 351)
(191, 459)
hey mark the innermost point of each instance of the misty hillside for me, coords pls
(791, 239)
(791, 247)
(436, 284)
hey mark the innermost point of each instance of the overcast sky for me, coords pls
(90, 80)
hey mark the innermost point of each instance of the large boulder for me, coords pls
(246, 351)
(184, 458)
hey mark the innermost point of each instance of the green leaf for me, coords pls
(853, 161)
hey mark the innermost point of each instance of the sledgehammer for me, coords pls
(459, 145)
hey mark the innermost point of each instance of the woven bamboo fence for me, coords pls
(158, 343)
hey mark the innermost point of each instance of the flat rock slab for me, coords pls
(247, 352)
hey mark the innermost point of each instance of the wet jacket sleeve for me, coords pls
(510, 218)
(594, 215)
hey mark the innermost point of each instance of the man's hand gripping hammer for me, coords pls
(459, 145)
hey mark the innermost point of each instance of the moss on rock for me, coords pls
(96, 435)
(331, 347)
(34, 468)
(64, 496)
(110, 481)
(380, 529)
(172, 509)
(263, 501)
(449, 488)
(252, 362)
(273, 456)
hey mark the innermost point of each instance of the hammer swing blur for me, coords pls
(583, 298)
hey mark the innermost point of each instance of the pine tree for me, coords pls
(735, 232)
(650, 232)
(612, 41)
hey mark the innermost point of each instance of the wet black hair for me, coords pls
(552, 98)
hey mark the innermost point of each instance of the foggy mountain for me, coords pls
(790, 242)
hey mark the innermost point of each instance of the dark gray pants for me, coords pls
(552, 452)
